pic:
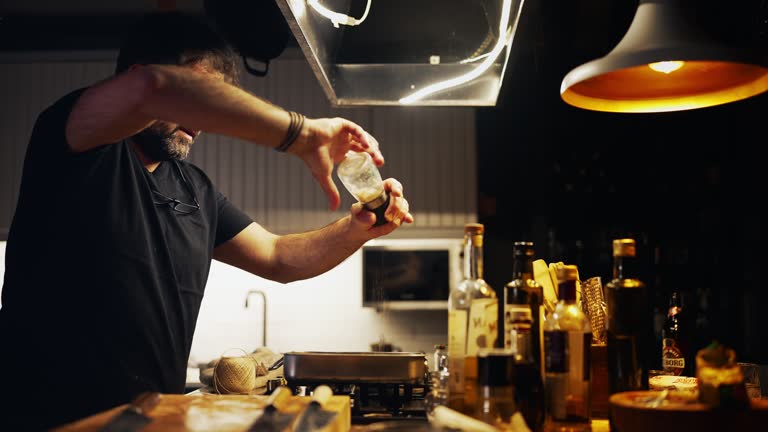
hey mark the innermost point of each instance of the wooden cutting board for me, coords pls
(631, 413)
(212, 412)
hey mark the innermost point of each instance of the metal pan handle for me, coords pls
(277, 364)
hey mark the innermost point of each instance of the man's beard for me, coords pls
(159, 145)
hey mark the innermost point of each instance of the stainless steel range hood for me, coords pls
(406, 52)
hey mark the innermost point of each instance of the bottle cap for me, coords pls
(474, 231)
(522, 248)
(567, 273)
(474, 228)
(624, 247)
(495, 367)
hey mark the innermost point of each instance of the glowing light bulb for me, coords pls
(666, 66)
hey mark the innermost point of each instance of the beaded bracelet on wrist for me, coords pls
(294, 129)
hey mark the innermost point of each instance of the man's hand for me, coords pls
(327, 142)
(397, 213)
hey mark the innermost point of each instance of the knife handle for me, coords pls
(145, 402)
(321, 394)
(279, 396)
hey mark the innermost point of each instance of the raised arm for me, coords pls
(190, 96)
(200, 100)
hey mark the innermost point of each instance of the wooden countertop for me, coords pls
(223, 413)
(598, 425)
(212, 412)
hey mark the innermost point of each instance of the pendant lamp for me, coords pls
(664, 64)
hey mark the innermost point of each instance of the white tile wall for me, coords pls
(319, 314)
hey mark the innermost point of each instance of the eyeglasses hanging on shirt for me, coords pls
(178, 206)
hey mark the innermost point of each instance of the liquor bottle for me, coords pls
(438, 381)
(522, 291)
(496, 390)
(567, 340)
(440, 359)
(472, 320)
(628, 321)
(675, 355)
(529, 385)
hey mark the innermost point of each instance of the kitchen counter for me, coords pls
(210, 412)
(221, 413)
(598, 425)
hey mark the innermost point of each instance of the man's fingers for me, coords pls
(408, 218)
(399, 211)
(363, 216)
(329, 187)
(360, 140)
(374, 150)
(394, 187)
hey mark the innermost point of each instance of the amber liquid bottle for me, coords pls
(676, 357)
(472, 320)
(523, 290)
(628, 322)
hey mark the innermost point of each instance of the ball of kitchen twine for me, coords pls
(234, 374)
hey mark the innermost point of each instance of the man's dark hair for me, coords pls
(177, 38)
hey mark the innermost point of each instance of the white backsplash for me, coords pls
(324, 313)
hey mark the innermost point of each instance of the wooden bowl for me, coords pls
(630, 412)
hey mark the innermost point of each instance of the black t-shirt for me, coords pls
(102, 284)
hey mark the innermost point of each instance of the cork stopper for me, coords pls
(567, 273)
(624, 247)
(474, 228)
(475, 232)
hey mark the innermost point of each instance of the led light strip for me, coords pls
(482, 67)
(339, 18)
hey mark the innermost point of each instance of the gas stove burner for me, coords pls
(376, 402)
(381, 386)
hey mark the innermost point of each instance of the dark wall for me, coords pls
(687, 185)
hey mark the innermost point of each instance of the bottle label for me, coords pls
(483, 320)
(672, 359)
(556, 351)
(457, 349)
(517, 317)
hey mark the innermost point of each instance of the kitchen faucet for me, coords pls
(263, 311)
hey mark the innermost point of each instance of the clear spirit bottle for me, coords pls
(567, 339)
(472, 319)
